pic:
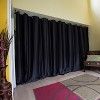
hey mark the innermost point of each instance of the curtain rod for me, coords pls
(29, 13)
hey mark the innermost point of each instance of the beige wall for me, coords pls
(94, 34)
(73, 10)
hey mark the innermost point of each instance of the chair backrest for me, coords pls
(93, 53)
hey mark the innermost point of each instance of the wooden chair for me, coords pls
(93, 59)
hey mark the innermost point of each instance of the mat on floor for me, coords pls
(55, 91)
(85, 86)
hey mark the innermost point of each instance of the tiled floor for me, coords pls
(25, 92)
(86, 86)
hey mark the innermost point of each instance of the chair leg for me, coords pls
(84, 68)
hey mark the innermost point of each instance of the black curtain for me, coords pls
(47, 48)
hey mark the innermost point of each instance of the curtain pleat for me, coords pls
(47, 48)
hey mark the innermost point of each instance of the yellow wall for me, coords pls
(94, 34)
(3, 20)
(73, 10)
(3, 14)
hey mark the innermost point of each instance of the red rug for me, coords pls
(55, 91)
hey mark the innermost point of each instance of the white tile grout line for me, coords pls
(92, 73)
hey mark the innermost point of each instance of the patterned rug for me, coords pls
(86, 86)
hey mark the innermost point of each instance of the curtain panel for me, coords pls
(46, 48)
